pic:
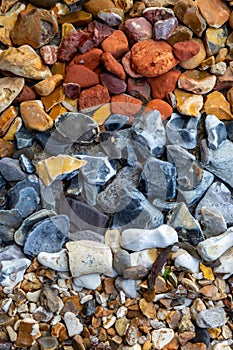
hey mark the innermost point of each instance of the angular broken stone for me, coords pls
(88, 257)
(10, 87)
(187, 103)
(187, 227)
(12, 271)
(217, 104)
(10, 220)
(139, 239)
(212, 221)
(218, 161)
(199, 82)
(190, 174)
(213, 317)
(11, 170)
(25, 62)
(215, 39)
(216, 131)
(48, 236)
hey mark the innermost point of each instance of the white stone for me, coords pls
(184, 260)
(226, 263)
(12, 271)
(134, 347)
(87, 257)
(55, 261)
(144, 257)
(73, 325)
(139, 239)
(128, 286)
(214, 247)
(90, 281)
(122, 311)
(112, 239)
(12, 334)
(108, 321)
(221, 346)
(161, 337)
(33, 296)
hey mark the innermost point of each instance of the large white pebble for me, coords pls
(161, 337)
(55, 261)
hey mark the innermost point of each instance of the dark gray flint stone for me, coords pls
(187, 227)
(190, 197)
(158, 179)
(77, 127)
(26, 165)
(182, 130)
(53, 143)
(24, 138)
(116, 122)
(216, 131)
(10, 220)
(21, 233)
(190, 175)
(48, 200)
(202, 336)
(99, 168)
(89, 192)
(121, 260)
(135, 211)
(11, 252)
(109, 198)
(150, 133)
(47, 236)
(86, 235)
(179, 156)
(229, 129)
(219, 161)
(82, 216)
(24, 196)
(217, 199)
(10, 170)
(213, 222)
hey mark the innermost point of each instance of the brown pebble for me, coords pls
(108, 285)
(95, 96)
(6, 118)
(82, 76)
(125, 104)
(195, 346)
(209, 291)
(116, 44)
(112, 65)
(26, 94)
(34, 116)
(164, 83)
(163, 107)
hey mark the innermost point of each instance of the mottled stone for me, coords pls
(116, 44)
(49, 54)
(190, 174)
(211, 318)
(12, 271)
(187, 103)
(94, 7)
(48, 343)
(112, 17)
(48, 236)
(77, 18)
(137, 29)
(199, 82)
(126, 62)
(47, 86)
(218, 68)
(216, 12)
(151, 58)
(163, 107)
(161, 337)
(6, 148)
(215, 39)
(34, 116)
(95, 96)
(114, 85)
(217, 104)
(224, 81)
(184, 50)
(70, 44)
(10, 87)
(25, 62)
(35, 27)
(139, 88)
(196, 60)
(180, 33)
(163, 84)
(163, 29)
(216, 131)
(188, 13)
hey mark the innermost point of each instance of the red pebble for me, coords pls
(163, 107)
(112, 65)
(95, 96)
(70, 44)
(90, 59)
(26, 94)
(49, 54)
(164, 83)
(115, 85)
(125, 104)
(184, 50)
(82, 76)
(116, 43)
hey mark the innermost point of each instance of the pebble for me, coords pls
(196, 60)
(225, 266)
(188, 104)
(163, 107)
(186, 261)
(47, 86)
(114, 85)
(213, 222)
(55, 261)
(12, 271)
(48, 343)
(73, 324)
(139, 88)
(216, 13)
(116, 44)
(215, 40)
(217, 104)
(112, 65)
(88, 281)
(128, 286)
(137, 29)
(125, 104)
(14, 86)
(41, 121)
(161, 337)
(95, 96)
(197, 81)
(211, 318)
(216, 132)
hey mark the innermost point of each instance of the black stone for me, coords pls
(89, 308)
(116, 122)
(24, 138)
(202, 336)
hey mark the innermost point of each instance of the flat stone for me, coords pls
(10, 87)
(161, 337)
(226, 261)
(126, 62)
(163, 107)
(218, 161)
(197, 81)
(81, 75)
(112, 17)
(196, 60)
(73, 324)
(28, 332)
(25, 62)
(112, 65)
(11, 170)
(215, 39)
(163, 84)
(48, 236)
(125, 104)
(217, 104)
(77, 18)
(56, 167)
(88, 257)
(88, 281)
(26, 200)
(187, 103)
(116, 122)
(35, 27)
(114, 85)
(216, 132)
(139, 239)
(55, 261)
(12, 271)
(211, 318)
(137, 29)
(34, 116)
(187, 227)
(216, 12)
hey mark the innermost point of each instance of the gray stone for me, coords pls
(10, 170)
(28, 201)
(179, 156)
(89, 281)
(213, 222)
(190, 175)
(73, 324)
(216, 131)
(48, 236)
(128, 286)
(10, 220)
(89, 192)
(12, 271)
(11, 252)
(86, 235)
(211, 318)
(48, 343)
(121, 260)
(226, 263)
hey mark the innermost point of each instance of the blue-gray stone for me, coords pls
(150, 133)
(24, 138)
(10, 170)
(3, 194)
(190, 175)
(219, 161)
(11, 252)
(47, 236)
(182, 130)
(89, 192)
(77, 127)
(26, 165)
(53, 143)
(190, 197)
(229, 129)
(158, 179)
(216, 131)
(116, 122)
(187, 227)
(164, 28)
(135, 211)
(163, 205)
(217, 199)
(10, 220)
(178, 156)
(213, 222)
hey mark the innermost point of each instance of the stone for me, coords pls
(112, 17)
(12, 271)
(229, 128)
(116, 44)
(187, 262)
(137, 9)
(73, 324)
(112, 65)
(125, 104)
(94, 8)
(10, 87)
(48, 236)
(139, 88)
(49, 54)
(187, 103)
(95, 96)
(77, 18)
(43, 3)
(34, 116)
(184, 50)
(216, 131)
(151, 133)
(211, 318)
(216, 12)
(6, 119)
(158, 179)
(10, 170)
(224, 81)
(90, 59)
(10, 221)
(190, 175)
(126, 62)
(196, 60)
(225, 266)
(114, 85)
(14, 127)
(182, 130)
(70, 44)
(55, 261)
(213, 222)
(81, 75)
(217, 104)
(218, 68)
(163, 107)
(188, 13)
(88, 281)
(137, 29)
(163, 84)
(26, 94)
(7, 4)
(52, 168)
(180, 33)
(116, 122)
(215, 39)
(25, 62)
(161, 337)
(209, 291)
(135, 272)
(88, 257)
(163, 29)
(128, 286)
(56, 97)
(199, 82)
(28, 332)
(187, 227)
(47, 86)
(35, 27)
(218, 161)
(48, 343)
(139, 239)
(151, 58)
